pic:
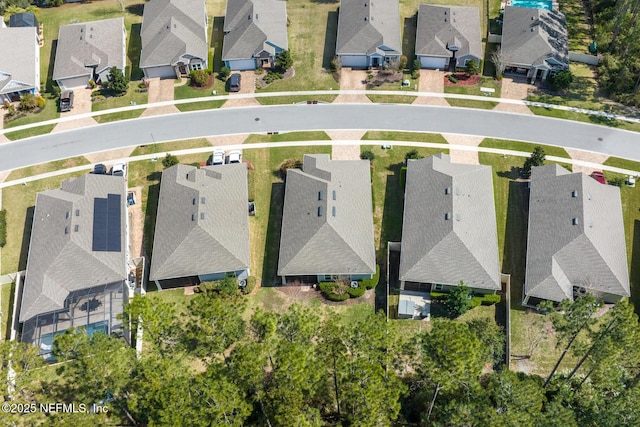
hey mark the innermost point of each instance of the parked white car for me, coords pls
(218, 157)
(119, 169)
(235, 156)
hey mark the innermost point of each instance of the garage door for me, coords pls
(162, 72)
(74, 83)
(242, 64)
(431, 62)
(357, 61)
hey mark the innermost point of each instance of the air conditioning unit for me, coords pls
(579, 291)
(242, 283)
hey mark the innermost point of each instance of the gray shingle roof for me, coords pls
(252, 26)
(560, 254)
(340, 241)
(96, 43)
(441, 26)
(172, 29)
(449, 229)
(366, 25)
(19, 60)
(202, 225)
(531, 36)
(61, 259)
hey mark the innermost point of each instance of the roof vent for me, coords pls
(457, 217)
(590, 224)
(201, 215)
(365, 19)
(574, 193)
(445, 19)
(365, 4)
(256, 16)
(575, 221)
(333, 211)
(193, 217)
(249, 17)
(77, 212)
(532, 30)
(447, 190)
(319, 195)
(447, 216)
(66, 230)
(76, 227)
(202, 200)
(589, 196)
(334, 194)
(195, 201)
(319, 210)
(68, 215)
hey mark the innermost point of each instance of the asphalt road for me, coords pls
(529, 128)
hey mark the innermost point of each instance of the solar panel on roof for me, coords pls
(107, 223)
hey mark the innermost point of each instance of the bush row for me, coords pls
(3, 228)
(341, 290)
(476, 300)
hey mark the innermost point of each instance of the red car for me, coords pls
(599, 176)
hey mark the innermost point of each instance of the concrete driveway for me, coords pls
(431, 81)
(353, 80)
(81, 105)
(160, 90)
(514, 88)
(2, 113)
(247, 86)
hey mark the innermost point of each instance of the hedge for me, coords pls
(327, 289)
(356, 292)
(403, 176)
(476, 300)
(251, 284)
(373, 282)
(3, 228)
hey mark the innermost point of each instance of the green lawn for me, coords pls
(623, 163)
(47, 167)
(195, 106)
(268, 191)
(289, 136)
(18, 200)
(275, 100)
(577, 25)
(186, 91)
(523, 146)
(485, 81)
(122, 115)
(132, 97)
(391, 99)
(587, 118)
(6, 294)
(28, 133)
(404, 136)
(49, 112)
(170, 146)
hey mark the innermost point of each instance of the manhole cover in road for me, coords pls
(599, 139)
(257, 119)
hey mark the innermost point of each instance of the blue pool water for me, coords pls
(533, 4)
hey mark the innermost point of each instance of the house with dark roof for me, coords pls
(202, 225)
(448, 36)
(174, 38)
(534, 41)
(19, 62)
(77, 265)
(449, 229)
(88, 50)
(255, 32)
(327, 222)
(576, 241)
(368, 33)
(24, 19)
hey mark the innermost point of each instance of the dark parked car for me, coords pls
(66, 101)
(234, 83)
(100, 169)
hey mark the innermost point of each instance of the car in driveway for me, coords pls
(100, 169)
(599, 176)
(66, 101)
(234, 83)
(235, 156)
(119, 169)
(218, 157)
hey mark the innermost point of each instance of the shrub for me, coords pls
(334, 291)
(210, 61)
(169, 161)
(373, 282)
(28, 102)
(459, 300)
(560, 81)
(199, 78)
(336, 64)
(251, 284)
(403, 176)
(416, 65)
(452, 78)
(356, 292)
(367, 155)
(617, 181)
(92, 84)
(472, 67)
(259, 71)
(11, 109)
(288, 164)
(537, 158)
(439, 295)
(402, 63)
(490, 299)
(415, 75)
(3, 228)
(284, 60)
(271, 76)
(41, 102)
(225, 287)
(224, 73)
(412, 155)
(117, 82)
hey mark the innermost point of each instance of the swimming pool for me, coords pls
(533, 4)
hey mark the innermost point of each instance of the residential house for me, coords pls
(77, 265)
(88, 50)
(174, 38)
(19, 62)
(327, 222)
(255, 32)
(534, 41)
(576, 241)
(202, 226)
(448, 36)
(449, 230)
(369, 33)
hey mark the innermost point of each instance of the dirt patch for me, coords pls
(136, 225)
(464, 79)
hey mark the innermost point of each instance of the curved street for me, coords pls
(281, 118)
